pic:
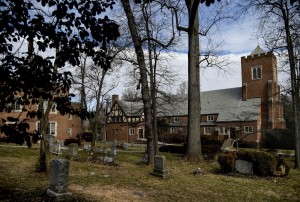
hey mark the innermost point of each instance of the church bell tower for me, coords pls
(259, 80)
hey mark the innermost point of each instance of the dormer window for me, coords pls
(210, 118)
(256, 73)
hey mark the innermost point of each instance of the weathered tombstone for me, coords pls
(108, 159)
(113, 151)
(160, 167)
(86, 147)
(58, 189)
(144, 158)
(125, 146)
(73, 149)
(227, 145)
(244, 167)
(56, 149)
(98, 149)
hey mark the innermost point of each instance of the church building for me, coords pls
(245, 113)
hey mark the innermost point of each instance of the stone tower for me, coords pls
(259, 80)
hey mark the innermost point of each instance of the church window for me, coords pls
(256, 73)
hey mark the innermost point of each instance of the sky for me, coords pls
(239, 40)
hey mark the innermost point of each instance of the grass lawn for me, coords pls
(131, 180)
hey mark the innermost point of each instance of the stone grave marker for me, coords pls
(73, 149)
(227, 145)
(98, 149)
(244, 167)
(160, 167)
(125, 146)
(58, 189)
(56, 149)
(87, 147)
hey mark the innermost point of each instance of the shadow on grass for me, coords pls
(37, 195)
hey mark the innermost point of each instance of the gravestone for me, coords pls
(58, 189)
(244, 167)
(160, 167)
(56, 149)
(87, 147)
(98, 149)
(227, 145)
(125, 146)
(73, 149)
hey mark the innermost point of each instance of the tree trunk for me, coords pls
(144, 81)
(193, 152)
(294, 83)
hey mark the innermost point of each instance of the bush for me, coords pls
(70, 141)
(210, 151)
(173, 149)
(279, 139)
(264, 164)
(210, 147)
(227, 162)
(176, 138)
(86, 136)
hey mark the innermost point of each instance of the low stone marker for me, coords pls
(87, 147)
(58, 189)
(244, 167)
(227, 145)
(56, 149)
(98, 149)
(160, 167)
(73, 149)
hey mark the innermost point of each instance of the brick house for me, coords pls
(245, 112)
(60, 127)
(125, 121)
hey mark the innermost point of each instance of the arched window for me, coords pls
(256, 73)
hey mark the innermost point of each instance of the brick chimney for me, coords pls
(114, 98)
(244, 91)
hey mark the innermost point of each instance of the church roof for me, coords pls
(227, 103)
(257, 51)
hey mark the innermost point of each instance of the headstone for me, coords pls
(87, 147)
(98, 149)
(73, 149)
(227, 145)
(113, 151)
(144, 158)
(108, 159)
(56, 149)
(59, 180)
(244, 167)
(125, 146)
(160, 167)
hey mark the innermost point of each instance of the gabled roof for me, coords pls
(131, 108)
(257, 51)
(227, 103)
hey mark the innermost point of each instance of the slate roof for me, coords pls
(131, 108)
(257, 51)
(227, 103)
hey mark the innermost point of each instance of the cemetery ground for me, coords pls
(131, 180)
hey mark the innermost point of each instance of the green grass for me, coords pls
(131, 180)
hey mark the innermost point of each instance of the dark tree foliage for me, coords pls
(67, 27)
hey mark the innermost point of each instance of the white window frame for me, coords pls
(70, 116)
(53, 110)
(70, 132)
(176, 119)
(51, 125)
(207, 130)
(172, 130)
(131, 131)
(210, 118)
(248, 129)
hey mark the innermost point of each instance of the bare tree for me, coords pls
(280, 27)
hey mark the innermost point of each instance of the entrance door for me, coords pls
(141, 133)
